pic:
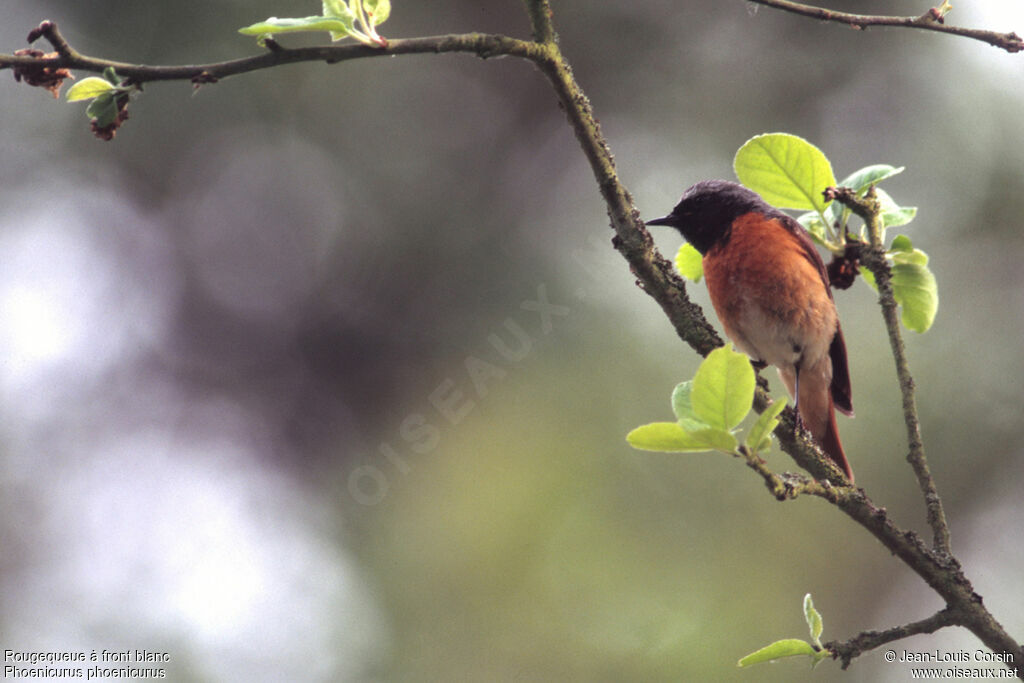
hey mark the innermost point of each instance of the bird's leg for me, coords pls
(796, 398)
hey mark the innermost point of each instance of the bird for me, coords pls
(770, 290)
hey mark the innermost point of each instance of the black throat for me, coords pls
(706, 211)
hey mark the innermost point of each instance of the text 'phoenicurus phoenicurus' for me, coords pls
(769, 288)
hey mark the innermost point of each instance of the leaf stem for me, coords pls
(369, 30)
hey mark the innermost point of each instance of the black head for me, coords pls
(706, 211)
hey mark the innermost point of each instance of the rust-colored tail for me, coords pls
(813, 397)
(830, 443)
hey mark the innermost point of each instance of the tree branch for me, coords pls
(480, 44)
(939, 570)
(541, 21)
(942, 573)
(655, 275)
(869, 640)
(931, 20)
(873, 258)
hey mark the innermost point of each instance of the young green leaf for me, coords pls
(869, 175)
(670, 437)
(869, 278)
(716, 439)
(343, 13)
(337, 8)
(760, 436)
(901, 243)
(915, 256)
(111, 76)
(786, 170)
(689, 262)
(682, 406)
(813, 225)
(723, 388)
(814, 623)
(273, 25)
(103, 109)
(378, 11)
(88, 88)
(917, 293)
(893, 215)
(790, 647)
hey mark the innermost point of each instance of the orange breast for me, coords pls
(768, 294)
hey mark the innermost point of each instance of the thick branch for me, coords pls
(942, 573)
(939, 570)
(654, 273)
(929, 21)
(873, 258)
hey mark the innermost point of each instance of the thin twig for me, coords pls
(929, 21)
(785, 486)
(868, 208)
(540, 21)
(869, 640)
(480, 44)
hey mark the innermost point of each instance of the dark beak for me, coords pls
(665, 220)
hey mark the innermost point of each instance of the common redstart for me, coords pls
(769, 288)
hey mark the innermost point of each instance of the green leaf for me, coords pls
(813, 225)
(378, 11)
(689, 262)
(343, 13)
(670, 437)
(723, 388)
(897, 216)
(917, 293)
(103, 109)
(901, 243)
(715, 439)
(786, 170)
(760, 436)
(88, 88)
(111, 76)
(682, 406)
(893, 215)
(814, 623)
(335, 25)
(915, 256)
(869, 175)
(790, 647)
(337, 8)
(869, 278)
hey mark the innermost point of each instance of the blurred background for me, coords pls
(323, 373)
